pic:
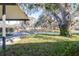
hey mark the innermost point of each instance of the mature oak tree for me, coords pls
(62, 12)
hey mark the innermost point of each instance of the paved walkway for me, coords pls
(15, 37)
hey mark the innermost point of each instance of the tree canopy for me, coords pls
(63, 13)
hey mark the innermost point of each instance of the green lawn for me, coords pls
(45, 45)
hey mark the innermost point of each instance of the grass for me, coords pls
(45, 45)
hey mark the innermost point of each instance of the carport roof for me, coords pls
(13, 12)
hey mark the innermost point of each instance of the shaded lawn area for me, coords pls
(44, 45)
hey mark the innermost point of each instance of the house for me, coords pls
(11, 12)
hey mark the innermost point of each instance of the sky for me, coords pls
(36, 14)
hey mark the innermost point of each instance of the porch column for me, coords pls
(4, 28)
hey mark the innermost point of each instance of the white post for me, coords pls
(4, 33)
(4, 29)
(4, 25)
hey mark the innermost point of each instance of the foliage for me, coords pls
(45, 45)
(62, 12)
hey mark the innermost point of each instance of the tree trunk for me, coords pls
(64, 30)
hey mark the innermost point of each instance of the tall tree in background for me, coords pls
(61, 12)
(65, 20)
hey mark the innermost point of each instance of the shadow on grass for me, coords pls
(44, 49)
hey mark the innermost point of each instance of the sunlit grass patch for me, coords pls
(46, 38)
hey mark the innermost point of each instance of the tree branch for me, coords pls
(56, 17)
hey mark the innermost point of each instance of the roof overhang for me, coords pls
(13, 12)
